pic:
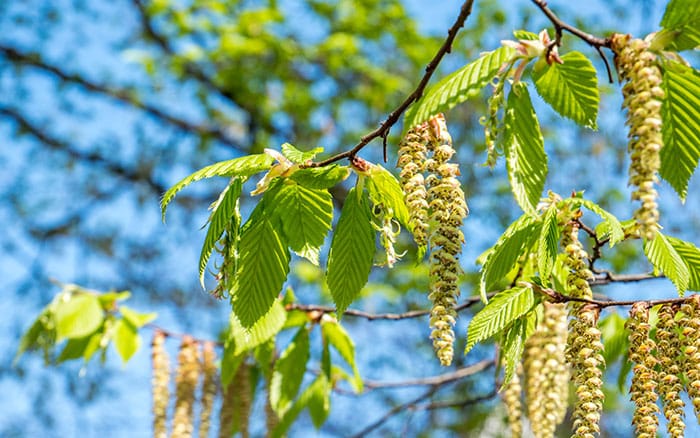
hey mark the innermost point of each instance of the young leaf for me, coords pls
(262, 270)
(458, 87)
(517, 239)
(691, 256)
(297, 156)
(352, 250)
(341, 341)
(288, 372)
(384, 189)
(681, 126)
(321, 177)
(126, 339)
(666, 259)
(309, 396)
(264, 329)
(614, 227)
(501, 311)
(514, 343)
(526, 160)
(135, 318)
(548, 243)
(243, 166)
(74, 349)
(319, 400)
(305, 216)
(224, 213)
(79, 316)
(571, 88)
(681, 23)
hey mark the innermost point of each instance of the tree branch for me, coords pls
(439, 380)
(124, 96)
(383, 130)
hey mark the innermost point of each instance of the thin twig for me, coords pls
(385, 127)
(434, 380)
(443, 404)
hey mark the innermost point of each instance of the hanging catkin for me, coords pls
(160, 384)
(670, 386)
(210, 388)
(186, 378)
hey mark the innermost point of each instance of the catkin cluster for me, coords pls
(511, 396)
(690, 326)
(643, 94)
(186, 378)
(160, 384)
(546, 371)
(437, 210)
(644, 376)
(236, 404)
(209, 388)
(584, 346)
(670, 386)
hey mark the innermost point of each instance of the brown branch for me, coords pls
(393, 411)
(384, 129)
(443, 404)
(123, 96)
(439, 380)
(560, 26)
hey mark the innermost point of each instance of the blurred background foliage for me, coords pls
(105, 104)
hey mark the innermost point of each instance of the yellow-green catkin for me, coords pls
(448, 209)
(512, 400)
(643, 95)
(644, 376)
(160, 384)
(236, 404)
(186, 379)
(691, 349)
(210, 388)
(412, 155)
(670, 385)
(546, 371)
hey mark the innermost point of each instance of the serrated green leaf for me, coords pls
(680, 12)
(126, 339)
(681, 23)
(224, 214)
(457, 87)
(30, 338)
(319, 400)
(548, 243)
(288, 372)
(613, 227)
(525, 35)
(309, 396)
(516, 240)
(666, 259)
(74, 349)
(352, 250)
(230, 361)
(571, 88)
(305, 216)
(502, 310)
(321, 177)
(135, 318)
(264, 329)
(78, 316)
(681, 126)
(243, 166)
(262, 270)
(691, 257)
(343, 344)
(297, 156)
(384, 189)
(514, 344)
(526, 160)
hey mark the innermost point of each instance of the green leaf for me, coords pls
(571, 88)
(666, 259)
(343, 344)
(78, 316)
(262, 270)
(514, 343)
(305, 216)
(321, 177)
(297, 156)
(613, 225)
(525, 35)
(224, 214)
(385, 190)
(230, 361)
(681, 23)
(310, 396)
(501, 311)
(680, 12)
(31, 338)
(126, 339)
(615, 337)
(289, 371)
(135, 318)
(681, 126)
(243, 166)
(319, 400)
(352, 250)
(691, 257)
(74, 349)
(263, 330)
(516, 240)
(457, 87)
(108, 300)
(548, 243)
(526, 160)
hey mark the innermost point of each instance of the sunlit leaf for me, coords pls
(78, 316)
(297, 156)
(690, 254)
(384, 189)
(343, 344)
(289, 371)
(548, 243)
(514, 343)
(263, 330)
(126, 339)
(135, 318)
(321, 177)
(666, 259)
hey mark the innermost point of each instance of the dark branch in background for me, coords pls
(384, 129)
(559, 27)
(439, 380)
(121, 95)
